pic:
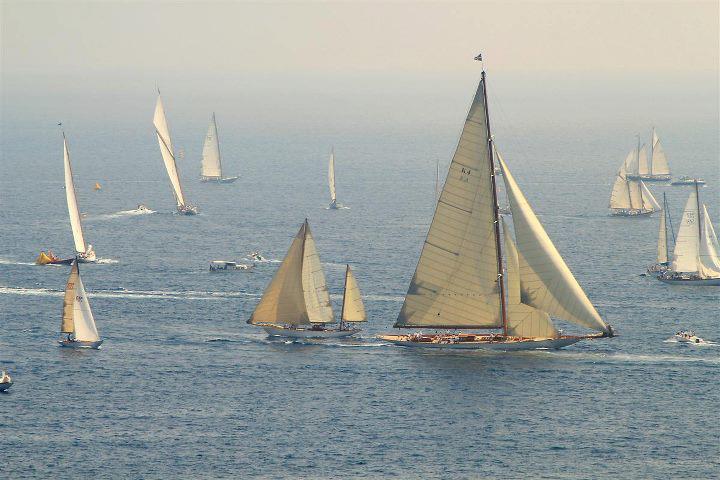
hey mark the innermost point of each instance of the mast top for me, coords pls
(479, 58)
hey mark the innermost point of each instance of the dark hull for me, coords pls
(697, 282)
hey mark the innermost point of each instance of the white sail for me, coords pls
(77, 231)
(211, 166)
(166, 149)
(283, 301)
(658, 163)
(631, 162)
(648, 200)
(547, 283)
(331, 176)
(522, 320)
(636, 196)
(662, 248)
(620, 196)
(353, 309)
(686, 255)
(708, 250)
(317, 298)
(455, 284)
(643, 168)
(76, 306)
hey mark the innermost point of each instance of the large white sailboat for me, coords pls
(78, 323)
(695, 257)
(652, 168)
(211, 163)
(296, 303)
(168, 155)
(630, 197)
(331, 181)
(460, 282)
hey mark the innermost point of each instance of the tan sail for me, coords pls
(68, 324)
(523, 320)
(455, 284)
(643, 168)
(658, 160)
(547, 283)
(317, 297)
(353, 309)
(620, 196)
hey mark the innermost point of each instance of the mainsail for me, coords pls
(166, 149)
(694, 250)
(211, 165)
(75, 223)
(297, 294)
(547, 283)
(77, 316)
(456, 281)
(331, 177)
(353, 309)
(658, 161)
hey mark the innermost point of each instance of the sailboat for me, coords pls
(296, 303)
(331, 181)
(84, 252)
(652, 168)
(166, 149)
(460, 282)
(695, 257)
(663, 248)
(77, 323)
(630, 197)
(211, 164)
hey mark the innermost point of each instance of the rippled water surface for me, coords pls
(183, 387)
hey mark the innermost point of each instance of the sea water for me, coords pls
(183, 387)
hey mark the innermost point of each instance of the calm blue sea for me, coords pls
(182, 387)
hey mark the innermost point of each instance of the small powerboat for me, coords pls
(143, 208)
(5, 381)
(257, 257)
(222, 265)
(688, 336)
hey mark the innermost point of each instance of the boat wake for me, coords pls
(4, 261)
(121, 214)
(129, 294)
(106, 261)
(627, 357)
(338, 207)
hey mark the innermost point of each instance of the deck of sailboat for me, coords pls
(469, 341)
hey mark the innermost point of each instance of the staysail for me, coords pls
(353, 309)
(547, 283)
(166, 149)
(331, 177)
(211, 165)
(77, 316)
(658, 160)
(75, 223)
(455, 284)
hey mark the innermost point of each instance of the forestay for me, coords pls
(211, 166)
(73, 210)
(166, 149)
(547, 283)
(353, 309)
(455, 284)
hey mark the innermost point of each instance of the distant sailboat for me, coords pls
(653, 168)
(211, 164)
(695, 257)
(663, 248)
(166, 149)
(331, 181)
(460, 283)
(296, 303)
(77, 318)
(83, 251)
(630, 198)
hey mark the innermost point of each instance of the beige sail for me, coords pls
(631, 162)
(636, 197)
(620, 195)
(658, 160)
(648, 200)
(643, 168)
(353, 309)
(68, 324)
(547, 283)
(166, 149)
(73, 210)
(662, 247)
(317, 297)
(283, 301)
(455, 284)
(523, 320)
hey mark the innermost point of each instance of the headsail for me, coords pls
(658, 160)
(620, 196)
(547, 283)
(708, 245)
(317, 297)
(166, 149)
(75, 223)
(353, 309)
(455, 284)
(77, 307)
(331, 177)
(211, 165)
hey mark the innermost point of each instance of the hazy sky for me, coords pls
(80, 38)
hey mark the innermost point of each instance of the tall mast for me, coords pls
(496, 213)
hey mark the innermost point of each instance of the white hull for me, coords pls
(692, 339)
(650, 178)
(502, 345)
(701, 282)
(307, 332)
(218, 179)
(630, 213)
(80, 344)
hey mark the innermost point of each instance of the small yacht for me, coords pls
(5, 381)
(78, 324)
(222, 265)
(688, 336)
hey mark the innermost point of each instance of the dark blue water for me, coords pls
(183, 387)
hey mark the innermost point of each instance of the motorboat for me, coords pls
(688, 336)
(5, 381)
(257, 257)
(222, 265)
